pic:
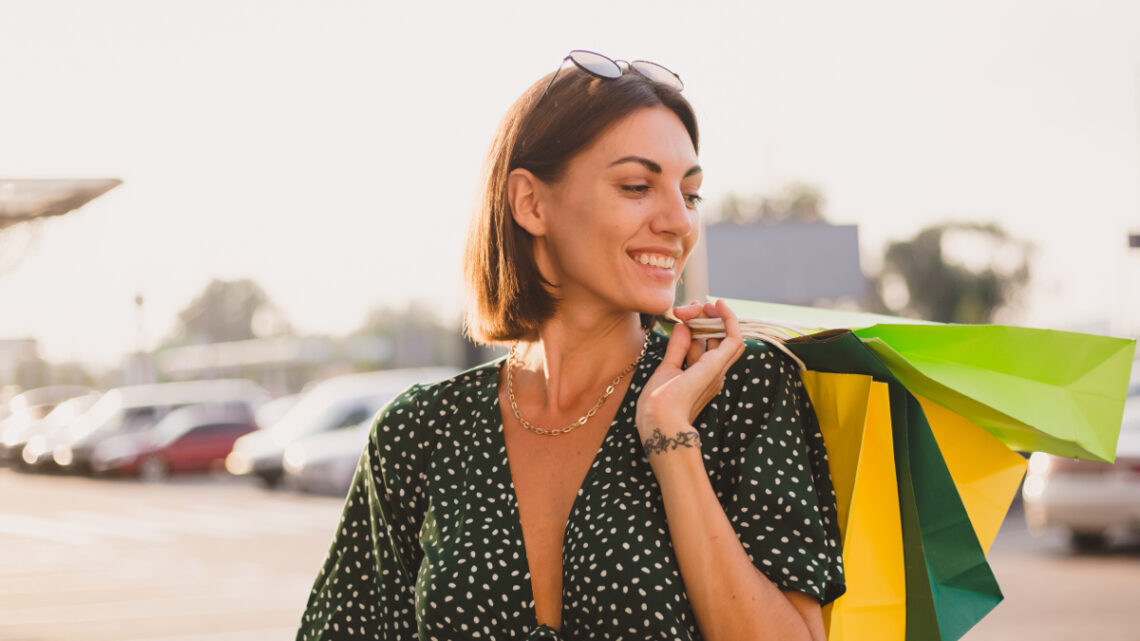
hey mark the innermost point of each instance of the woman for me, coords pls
(519, 500)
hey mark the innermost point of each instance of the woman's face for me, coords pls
(622, 220)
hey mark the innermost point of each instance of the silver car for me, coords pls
(325, 463)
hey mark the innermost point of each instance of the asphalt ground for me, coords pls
(224, 559)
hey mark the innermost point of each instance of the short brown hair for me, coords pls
(509, 298)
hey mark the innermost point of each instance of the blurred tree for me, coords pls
(797, 202)
(415, 335)
(228, 311)
(953, 273)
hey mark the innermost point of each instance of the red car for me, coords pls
(193, 438)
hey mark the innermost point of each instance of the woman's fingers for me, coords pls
(688, 312)
(678, 346)
(727, 350)
(705, 363)
(696, 350)
(696, 347)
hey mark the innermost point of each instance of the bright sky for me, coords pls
(330, 150)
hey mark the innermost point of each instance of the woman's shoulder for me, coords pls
(763, 363)
(463, 388)
(472, 382)
(762, 389)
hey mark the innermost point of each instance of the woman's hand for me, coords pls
(673, 397)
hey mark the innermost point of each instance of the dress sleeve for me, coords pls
(366, 586)
(773, 477)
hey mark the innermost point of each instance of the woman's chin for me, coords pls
(657, 305)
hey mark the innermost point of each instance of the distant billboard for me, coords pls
(792, 263)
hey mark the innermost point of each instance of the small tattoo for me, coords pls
(658, 442)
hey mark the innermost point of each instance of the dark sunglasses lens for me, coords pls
(596, 64)
(657, 73)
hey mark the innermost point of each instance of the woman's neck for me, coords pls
(576, 357)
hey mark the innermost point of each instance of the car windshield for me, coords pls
(174, 425)
(177, 423)
(316, 409)
(101, 413)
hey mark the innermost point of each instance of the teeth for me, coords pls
(656, 260)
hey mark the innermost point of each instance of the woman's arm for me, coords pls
(732, 599)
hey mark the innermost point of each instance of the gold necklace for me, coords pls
(512, 361)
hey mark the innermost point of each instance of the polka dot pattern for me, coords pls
(430, 545)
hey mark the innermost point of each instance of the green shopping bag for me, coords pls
(949, 584)
(1035, 390)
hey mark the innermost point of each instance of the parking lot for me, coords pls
(207, 558)
(217, 558)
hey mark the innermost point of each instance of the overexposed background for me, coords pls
(330, 151)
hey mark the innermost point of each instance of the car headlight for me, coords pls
(62, 456)
(1040, 463)
(238, 464)
(294, 458)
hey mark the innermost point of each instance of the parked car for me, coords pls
(188, 439)
(27, 409)
(273, 411)
(337, 403)
(325, 463)
(132, 409)
(58, 419)
(1094, 502)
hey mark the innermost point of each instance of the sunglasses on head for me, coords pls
(600, 66)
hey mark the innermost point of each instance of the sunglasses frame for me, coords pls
(618, 68)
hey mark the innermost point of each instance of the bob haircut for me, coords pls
(509, 299)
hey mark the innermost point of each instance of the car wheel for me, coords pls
(153, 469)
(270, 479)
(1086, 542)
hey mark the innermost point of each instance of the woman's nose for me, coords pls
(674, 216)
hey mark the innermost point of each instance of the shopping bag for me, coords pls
(1035, 390)
(949, 584)
(855, 420)
(986, 472)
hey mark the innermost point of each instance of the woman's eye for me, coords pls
(693, 200)
(638, 189)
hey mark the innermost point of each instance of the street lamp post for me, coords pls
(1130, 294)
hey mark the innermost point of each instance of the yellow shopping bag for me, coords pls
(855, 420)
(985, 471)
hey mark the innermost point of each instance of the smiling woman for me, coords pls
(516, 501)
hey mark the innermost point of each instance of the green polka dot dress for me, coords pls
(430, 546)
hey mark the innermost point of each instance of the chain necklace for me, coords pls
(512, 362)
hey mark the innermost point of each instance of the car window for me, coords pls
(214, 429)
(355, 416)
(196, 432)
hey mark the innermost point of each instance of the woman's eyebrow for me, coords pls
(652, 166)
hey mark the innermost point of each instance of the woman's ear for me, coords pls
(523, 194)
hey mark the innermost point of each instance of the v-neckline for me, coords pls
(515, 515)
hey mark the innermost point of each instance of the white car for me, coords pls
(1092, 501)
(27, 410)
(325, 463)
(337, 403)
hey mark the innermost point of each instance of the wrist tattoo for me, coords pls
(658, 442)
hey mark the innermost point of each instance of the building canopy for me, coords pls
(24, 199)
